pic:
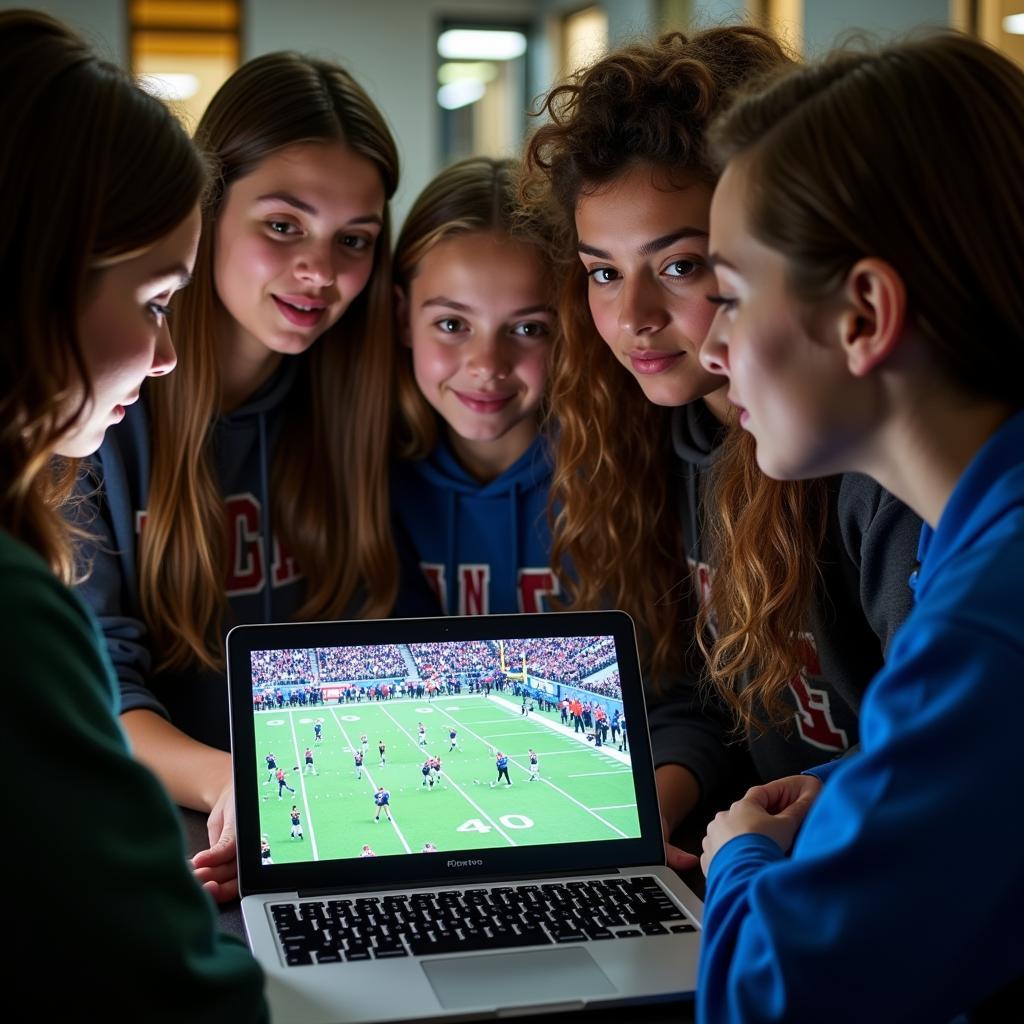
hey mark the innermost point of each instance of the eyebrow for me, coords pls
(442, 300)
(178, 271)
(304, 207)
(653, 246)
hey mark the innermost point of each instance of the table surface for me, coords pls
(680, 1012)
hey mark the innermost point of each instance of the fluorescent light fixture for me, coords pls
(480, 44)
(480, 70)
(1014, 24)
(460, 94)
(170, 86)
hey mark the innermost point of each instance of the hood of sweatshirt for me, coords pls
(484, 547)
(696, 436)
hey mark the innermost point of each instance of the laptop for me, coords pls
(452, 818)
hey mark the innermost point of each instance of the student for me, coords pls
(238, 461)
(640, 424)
(100, 226)
(471, 484)
(874, 322)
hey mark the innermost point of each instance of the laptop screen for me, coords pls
(437, 748)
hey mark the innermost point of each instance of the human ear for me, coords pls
(402, 317)
(873, 317)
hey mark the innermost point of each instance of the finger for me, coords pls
(222, 852)
(680, 860)
(219, 874)
(222, 893)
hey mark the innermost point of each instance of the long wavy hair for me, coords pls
(944, 115)
(479, 194)
(329, 478)
(93, 169)
(614, 519)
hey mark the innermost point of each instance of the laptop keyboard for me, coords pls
(466, 920)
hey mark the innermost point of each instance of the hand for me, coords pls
(776, 810)
(678, 794)
(216, 868)
(677, 859)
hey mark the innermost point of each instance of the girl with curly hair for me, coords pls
(803, 583)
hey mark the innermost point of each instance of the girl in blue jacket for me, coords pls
(475, 321)
(867, 238)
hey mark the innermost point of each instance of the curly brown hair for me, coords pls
(613, 518)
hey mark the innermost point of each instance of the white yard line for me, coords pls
(479, 810)
(373, 786)
(547, 782)
(564, 730)
(305, 800)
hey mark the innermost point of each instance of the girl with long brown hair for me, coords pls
(252, 485)
(476, 317)
(816, 574)
(99, 228)
(867, 237)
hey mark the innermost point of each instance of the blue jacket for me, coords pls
(873, 917)
(243, 445)
(484, 548)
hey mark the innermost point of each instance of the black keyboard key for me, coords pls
(299, 959)
(679, 928)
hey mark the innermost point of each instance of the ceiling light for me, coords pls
(480, 44)
(1014, 24)
(461, 93)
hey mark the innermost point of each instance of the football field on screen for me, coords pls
(584, 793)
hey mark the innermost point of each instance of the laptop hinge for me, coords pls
(448, 883)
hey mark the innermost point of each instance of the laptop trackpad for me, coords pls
(511, 979)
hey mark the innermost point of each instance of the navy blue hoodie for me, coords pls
(484, 548)
(264, 583)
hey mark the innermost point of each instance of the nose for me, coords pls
(164, 356)
(714, 353)
(641, 308)
(313, 264)
(487, 360)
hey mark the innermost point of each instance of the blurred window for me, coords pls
(183, 50)
(481, 89)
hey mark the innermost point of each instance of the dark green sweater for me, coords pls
(109, 910)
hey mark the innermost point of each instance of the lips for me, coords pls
(652, 362)
(300, 310)
(483, 402)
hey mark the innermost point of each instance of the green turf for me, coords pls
(585, 794)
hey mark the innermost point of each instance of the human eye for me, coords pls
(683, 268)
(602, 275)
(281, 227)
(450, 325)
(531, 329)
(357, 243)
